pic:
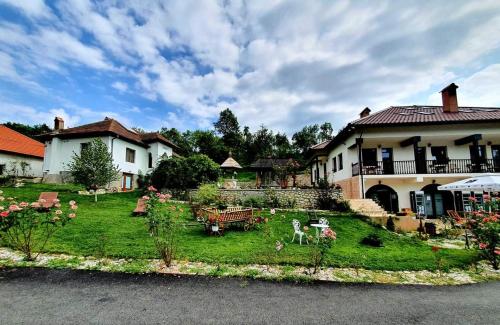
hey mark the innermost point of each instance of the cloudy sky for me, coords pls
(284, 64)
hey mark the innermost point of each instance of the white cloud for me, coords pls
(31, 8)
(120, 86)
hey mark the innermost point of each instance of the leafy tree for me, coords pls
(229, 128)
(306, 138)
(208, 143)
(185, 173)
(263, 142)
(325, 132)
(27, 130)
(282, 147)
(180, 139)
(93, 168)
(247, 147)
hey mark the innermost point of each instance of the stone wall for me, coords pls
(303, 198)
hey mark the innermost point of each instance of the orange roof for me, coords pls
(15, 142)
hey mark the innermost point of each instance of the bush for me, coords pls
(207, 194)
(373, 240)
(254, 202)
(185, 173)
(390, 224)
(271, 198)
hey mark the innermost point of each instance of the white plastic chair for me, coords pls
(297, 231)
(324, 221)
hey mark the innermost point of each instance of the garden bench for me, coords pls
(48, 198)
(141, 206)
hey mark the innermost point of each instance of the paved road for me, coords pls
(43, 296)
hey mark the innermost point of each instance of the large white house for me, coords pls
(400, 155)
(133, 152)
(19, 154)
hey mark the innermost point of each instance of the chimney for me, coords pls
(58, 123)
(449, 96)
(365, 112)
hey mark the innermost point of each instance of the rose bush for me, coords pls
(28, 226)
(162, 223)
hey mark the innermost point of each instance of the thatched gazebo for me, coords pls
(230, 165)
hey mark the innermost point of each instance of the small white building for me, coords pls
(400, 155)
(19, 155)
(133, 152)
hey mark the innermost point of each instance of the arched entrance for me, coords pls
(437, 202)
(385, 196)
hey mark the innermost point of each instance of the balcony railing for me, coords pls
(450, 166)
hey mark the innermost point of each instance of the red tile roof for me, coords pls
(321, 145)
(108, 126)
(15, 142)
(396, 115)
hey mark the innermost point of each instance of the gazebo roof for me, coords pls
(230, 163)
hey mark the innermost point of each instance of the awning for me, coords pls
(486, 183)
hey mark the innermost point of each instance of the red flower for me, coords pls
(483, 245)
(486, 219)
(4, 214)
(497, 251)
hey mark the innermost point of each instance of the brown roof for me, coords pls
(269, 163)
(408, 115)
(321, 145)
(108, 126)
(14, 142)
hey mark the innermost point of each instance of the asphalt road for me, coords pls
(42, 296)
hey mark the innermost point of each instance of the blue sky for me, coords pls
(284, 64)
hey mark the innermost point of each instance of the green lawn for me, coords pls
(107, 227)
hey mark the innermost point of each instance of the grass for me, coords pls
(106, 228)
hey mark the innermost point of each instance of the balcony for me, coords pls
(405, 167)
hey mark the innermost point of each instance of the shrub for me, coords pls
(373, 240)
(207, 194)
(26, 227)
(390, 224)
(163, 224)
(271, 198)
(254, 201)
(185, 173)
(321, 247)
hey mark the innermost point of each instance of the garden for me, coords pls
(108, 228)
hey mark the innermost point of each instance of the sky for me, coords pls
(283, 64)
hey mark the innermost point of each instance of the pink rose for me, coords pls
(72, 202)
(483, 245)
(4, 214)
(74, 207)
(162, 200)
(42, 201)
(152, 189)
(14, 208)
(71, 215)
(35, 205)
(57, 205)
(145, 197)
(55, 201)
(497, 251)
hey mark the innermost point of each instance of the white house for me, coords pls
(400, 155)
(134, 153)
(19, 155)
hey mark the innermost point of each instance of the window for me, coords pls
(83, 146)
(341, 163)
(150, 160)
(369, 156)
(495, 155)
(334, 164)
(130, 155)
(2, 169)
(439, 155)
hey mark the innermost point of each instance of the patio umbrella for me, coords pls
(483, 183)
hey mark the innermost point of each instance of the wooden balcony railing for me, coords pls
(450, 166)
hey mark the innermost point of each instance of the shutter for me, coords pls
(459, 203)
(413, 201)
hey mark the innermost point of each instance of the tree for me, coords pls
(263, 142)
(27, 130)
(229, 128)
(182, 140)
(306, 138)
(325, 132)
(208, 143)
(93, 168)
(282, 147)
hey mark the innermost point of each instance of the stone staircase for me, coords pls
(368, 208)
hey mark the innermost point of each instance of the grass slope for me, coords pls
(107, 228)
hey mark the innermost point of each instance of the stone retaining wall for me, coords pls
(303, 198)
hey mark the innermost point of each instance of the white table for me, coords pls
(319, 226)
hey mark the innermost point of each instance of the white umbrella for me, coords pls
(483, 183)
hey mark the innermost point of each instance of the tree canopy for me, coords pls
(28, 130)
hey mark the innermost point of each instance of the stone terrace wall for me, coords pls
(304, 198)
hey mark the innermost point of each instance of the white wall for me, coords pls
(158, 150)
(34, 169)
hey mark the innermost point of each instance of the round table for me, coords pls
(318, 226)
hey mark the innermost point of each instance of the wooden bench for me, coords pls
(48, 198)
(229, 216)
(141, 207)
